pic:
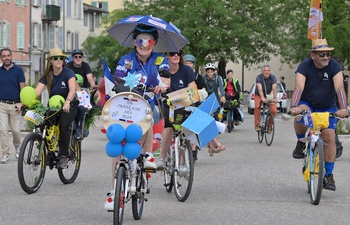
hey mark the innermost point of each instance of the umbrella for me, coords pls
(170, 39)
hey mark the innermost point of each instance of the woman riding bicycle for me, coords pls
(144, 62)
(60, 80)
(266, 84)
(233, 94)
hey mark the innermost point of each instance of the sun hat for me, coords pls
(56, 52)
(189, 57)
(320, 45)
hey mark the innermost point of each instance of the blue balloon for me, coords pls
(115, 133)
(133, 133)
(132, 150)
(114, 149)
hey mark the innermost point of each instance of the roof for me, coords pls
(91, 8)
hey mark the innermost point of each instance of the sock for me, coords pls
(301, 137)
(329, 166)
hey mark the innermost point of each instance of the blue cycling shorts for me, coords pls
(332, 121)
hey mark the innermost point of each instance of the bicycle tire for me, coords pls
(119, 196)
(261, 131)
(183, 178)
(229, 120)
(270, 121)
(30, 168)
(69, 174)
(168, 171)
(316, 173)
(139, 198)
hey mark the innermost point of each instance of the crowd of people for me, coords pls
(318, 88)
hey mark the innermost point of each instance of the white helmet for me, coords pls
(210, 66)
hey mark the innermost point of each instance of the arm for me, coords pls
(260, 91)
(298, 90)
(39, 89)
(339, 88)
(91, 80)
(222, 91)
(274, 91)
(72, 85)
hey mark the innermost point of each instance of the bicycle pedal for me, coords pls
(146, 199)
(150, 170)
(148, 191)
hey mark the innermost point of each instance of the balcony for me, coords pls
(52, 13)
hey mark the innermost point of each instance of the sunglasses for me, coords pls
(173, 53)
(55, 58)
(78, 57)
(323, 54)
(141, 42)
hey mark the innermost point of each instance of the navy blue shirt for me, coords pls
(265, 82)
(9, 82)
(60, 83)
(319, 89)
(181, 78)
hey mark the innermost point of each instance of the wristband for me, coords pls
(68, 99)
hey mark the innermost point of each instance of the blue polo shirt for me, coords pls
(319, 89)
(9, 82)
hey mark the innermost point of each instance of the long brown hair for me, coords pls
(49, 74)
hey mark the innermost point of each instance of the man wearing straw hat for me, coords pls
(318, 85)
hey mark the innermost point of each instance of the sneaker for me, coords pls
(63, 164)
(339, 152)
(86, 133)
(257, 128)
(194, 153)
(5, 159)
(109, 204)
(329, 183)
(298, 152)
(160, 163)
(17, 152)
(149, 161)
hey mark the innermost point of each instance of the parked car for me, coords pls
(281, 96)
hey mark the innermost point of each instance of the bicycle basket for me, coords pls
(320, 120)
(178, 116)
(34, 117)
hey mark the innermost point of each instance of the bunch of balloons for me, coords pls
(123, 141)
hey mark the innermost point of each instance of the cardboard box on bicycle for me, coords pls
(183, 97)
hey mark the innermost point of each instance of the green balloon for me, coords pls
(27, 95)
(56, 101)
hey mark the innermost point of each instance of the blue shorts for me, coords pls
(332, 121)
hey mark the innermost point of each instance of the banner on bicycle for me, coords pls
(183, 97)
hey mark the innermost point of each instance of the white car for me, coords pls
(281, 96)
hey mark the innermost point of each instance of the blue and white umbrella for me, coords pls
(170, 39)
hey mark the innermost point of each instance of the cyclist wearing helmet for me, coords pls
(80, 67)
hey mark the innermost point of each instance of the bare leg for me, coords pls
(167, 136)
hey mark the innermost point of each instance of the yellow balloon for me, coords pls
(27, 95)
(56, 101)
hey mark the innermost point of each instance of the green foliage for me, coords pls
(343, 127)
(90, 118)
(247, 30)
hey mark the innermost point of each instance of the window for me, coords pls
(52, 36)
(34, 35)
(20, 35)
(69, 8)
(21, 2)
(4, 34)
(86, 18)
(76, 42)
(97, 20)
(60, 37)
(40, 44)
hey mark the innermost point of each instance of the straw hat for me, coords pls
(56, 52)
(320, 45)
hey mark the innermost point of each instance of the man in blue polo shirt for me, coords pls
(11, 82)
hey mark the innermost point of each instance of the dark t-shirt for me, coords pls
(319, 89)
(83, 71)
(60, 83)
(265, 82)
(9, 82)
(200, 82)
(181, 78)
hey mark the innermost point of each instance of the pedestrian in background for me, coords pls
(11, 83)
(282, 82)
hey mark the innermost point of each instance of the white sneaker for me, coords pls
(160, 163)
(5, 159)
(149, 161)
(17, 152)
(109, 204)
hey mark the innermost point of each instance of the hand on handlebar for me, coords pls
(295, 111)
(342, 113)
(66, 106)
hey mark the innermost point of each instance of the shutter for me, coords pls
(20, 35)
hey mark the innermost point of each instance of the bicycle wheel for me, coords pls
(119, 196)
(139, 198)
(316, 173)
(69, 174)
(270, 129)
(261, 131)
(31, 164)
(229, 120)
(168, 172)
(183, 176)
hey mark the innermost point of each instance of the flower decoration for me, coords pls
(132, 79)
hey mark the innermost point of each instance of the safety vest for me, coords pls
(234, 83)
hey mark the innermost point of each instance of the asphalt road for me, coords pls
(249, 183)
